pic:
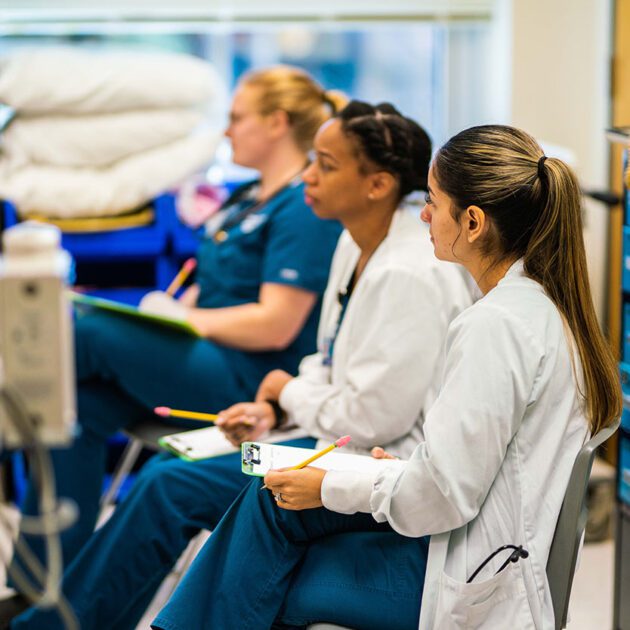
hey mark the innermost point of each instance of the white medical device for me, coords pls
(36, 343)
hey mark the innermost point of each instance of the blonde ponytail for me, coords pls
(335, 99)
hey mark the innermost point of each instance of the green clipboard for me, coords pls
(131, 311)
(197, 444)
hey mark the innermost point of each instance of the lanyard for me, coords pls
(235, 218)
(343, 298)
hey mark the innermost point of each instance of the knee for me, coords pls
(151, 472)
(160, 482)
(89, 336)
(100, 342)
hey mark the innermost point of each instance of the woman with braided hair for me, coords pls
(386, 310)
(527, 377)
(384, 278)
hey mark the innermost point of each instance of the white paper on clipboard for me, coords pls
(210, 442)
(258, 458)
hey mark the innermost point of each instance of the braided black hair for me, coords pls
(390, 141)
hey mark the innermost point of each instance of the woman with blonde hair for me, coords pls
(261, 273)
(528, 376)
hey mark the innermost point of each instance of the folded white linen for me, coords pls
(79, 81)
(93, 139)
(62, 192)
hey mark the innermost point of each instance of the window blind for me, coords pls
(46, 11)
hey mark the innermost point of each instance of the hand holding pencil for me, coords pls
(167, 412)
(246, 422)
(300, 487)
(163, 303)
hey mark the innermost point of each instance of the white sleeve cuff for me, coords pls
(287, 399)
(347, 492)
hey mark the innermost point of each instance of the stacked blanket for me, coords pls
(99, 134)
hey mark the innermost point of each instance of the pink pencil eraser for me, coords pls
(163, 411)
(190, 264)
(342, 441)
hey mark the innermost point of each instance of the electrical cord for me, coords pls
(54, 518)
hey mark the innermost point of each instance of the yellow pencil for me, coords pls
(179, 279)
(342, 441)
(165, 412)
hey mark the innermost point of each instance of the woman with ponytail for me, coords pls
(533, 204)
(528, 377)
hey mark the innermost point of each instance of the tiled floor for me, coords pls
(591, 605)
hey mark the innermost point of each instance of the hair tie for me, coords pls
(541, 167)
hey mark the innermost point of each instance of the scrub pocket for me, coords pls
(499, 602)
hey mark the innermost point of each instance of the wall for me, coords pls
(559, 65)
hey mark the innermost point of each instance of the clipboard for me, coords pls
(131, 311)
(257, 458)
(207, 442)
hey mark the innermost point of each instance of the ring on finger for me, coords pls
(278, 497)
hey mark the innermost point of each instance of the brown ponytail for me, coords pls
(535, 209)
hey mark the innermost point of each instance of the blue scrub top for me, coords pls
(281, 242)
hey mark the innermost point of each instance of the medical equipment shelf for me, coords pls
(127, 263)
(622, 535)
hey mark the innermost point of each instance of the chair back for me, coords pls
(149, 432)
(568, 535)
(570, 528)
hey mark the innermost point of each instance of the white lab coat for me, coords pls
(499, 446)
(393, 331)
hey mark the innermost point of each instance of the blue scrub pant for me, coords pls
(124, 369)
(114, 577)
(265, 567)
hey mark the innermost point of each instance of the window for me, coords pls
(436, 72)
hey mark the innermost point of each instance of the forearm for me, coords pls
(271, 323)
(246, 327)
(412, 496)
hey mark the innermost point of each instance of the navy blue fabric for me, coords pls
(112, 580)
(264, 566)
